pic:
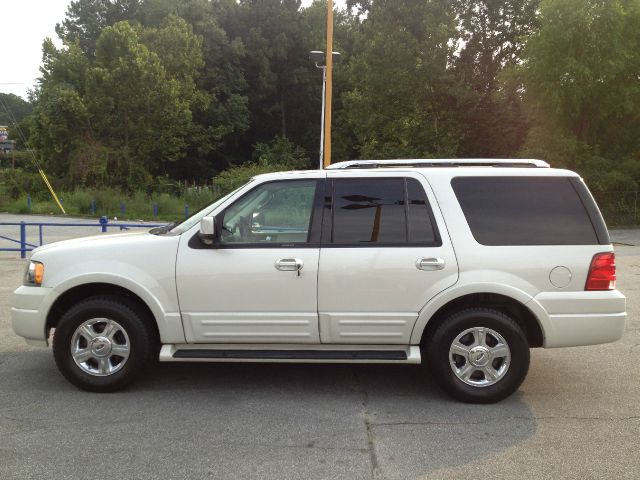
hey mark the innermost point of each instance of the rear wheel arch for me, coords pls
(525, 318)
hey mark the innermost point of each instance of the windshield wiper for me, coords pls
(163, 229)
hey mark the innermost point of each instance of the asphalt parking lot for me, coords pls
(577, 415)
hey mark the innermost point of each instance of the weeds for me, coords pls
(114, 203)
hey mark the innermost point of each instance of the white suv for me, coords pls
(469, 263)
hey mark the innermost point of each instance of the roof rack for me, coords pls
(454, 162)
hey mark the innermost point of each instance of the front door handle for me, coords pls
(289, 265)
(430, 264)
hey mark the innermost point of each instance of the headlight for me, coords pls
(34, 274)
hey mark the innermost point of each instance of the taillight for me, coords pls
(602, 272)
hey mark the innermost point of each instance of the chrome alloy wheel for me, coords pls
(100, 347)
(479, 356)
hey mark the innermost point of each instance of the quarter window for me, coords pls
(419, 221)
(524, 211)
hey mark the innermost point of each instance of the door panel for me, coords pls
(371, 291)
(259, 283)
(375, 296)
(239, 296)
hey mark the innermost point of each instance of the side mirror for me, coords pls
(207, 232)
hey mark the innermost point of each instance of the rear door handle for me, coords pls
(289, 265)
(430, 264)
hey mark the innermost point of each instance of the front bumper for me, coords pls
(29, 314)
(582, 318)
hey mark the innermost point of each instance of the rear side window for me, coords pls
(381, 211)
(525, 211)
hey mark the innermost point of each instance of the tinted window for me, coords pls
(369, 211)
(376, 211)
(419, 214)
(524, 211)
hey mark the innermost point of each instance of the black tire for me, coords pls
(438, 354)
(142, 342)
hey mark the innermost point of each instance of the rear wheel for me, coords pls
(478, 355)
(102, 343)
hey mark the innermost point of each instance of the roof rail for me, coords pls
(453, 162)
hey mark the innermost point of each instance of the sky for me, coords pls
(25, 24)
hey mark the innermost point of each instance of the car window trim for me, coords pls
(577, 191)
(315, 222)
(328, 224)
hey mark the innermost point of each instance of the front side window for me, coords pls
(200, 214)
(379, 211)
(272, 213)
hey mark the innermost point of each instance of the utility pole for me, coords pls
(324, 98)
(329, 86)
(318, 58)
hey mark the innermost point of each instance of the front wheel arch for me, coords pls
(82, 292)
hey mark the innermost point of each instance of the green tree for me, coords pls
(121, 110)
(14, 111)
(87, 18)
(283, 86)
(60, 119)
(222, 117)
(405, 96)
(491, 36)
(581, 83)
(18, 108)
(142, 110)
(223, 124)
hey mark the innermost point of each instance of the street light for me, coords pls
(319, 59)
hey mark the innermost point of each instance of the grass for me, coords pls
(113, 203)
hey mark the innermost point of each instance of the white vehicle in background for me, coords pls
(466, 264)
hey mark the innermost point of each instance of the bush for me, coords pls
(19, 182)
(77, 202)
(279, 155)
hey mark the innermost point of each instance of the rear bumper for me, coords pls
(29, 314)
(582, 318)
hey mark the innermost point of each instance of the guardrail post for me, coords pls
(23, 240)
(186, 211)
(40, 233)
(155, 210)
(103, 221)
(28, 202)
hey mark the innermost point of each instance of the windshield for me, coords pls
(199, 215)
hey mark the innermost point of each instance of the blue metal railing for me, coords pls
(25, 246)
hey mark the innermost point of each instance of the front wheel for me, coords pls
(479, 355)
(102, 343)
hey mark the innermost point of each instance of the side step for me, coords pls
(301, 354)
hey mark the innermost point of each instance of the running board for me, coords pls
(288, 354)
